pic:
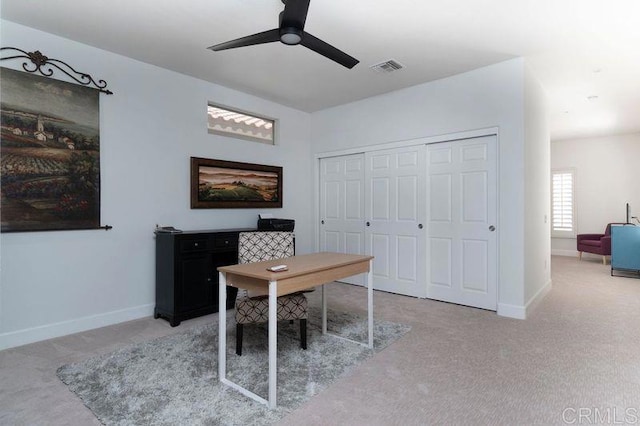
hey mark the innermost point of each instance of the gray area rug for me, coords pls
(174, 379)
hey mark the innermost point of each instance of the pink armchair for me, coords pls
(596, 243)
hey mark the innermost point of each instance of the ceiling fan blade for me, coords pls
(295, 14)
(260, 38)
(325, 49)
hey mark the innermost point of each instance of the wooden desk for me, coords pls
(304, 272)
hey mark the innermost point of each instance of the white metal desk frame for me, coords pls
(273, 335)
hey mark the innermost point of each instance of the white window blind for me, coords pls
(562, 203)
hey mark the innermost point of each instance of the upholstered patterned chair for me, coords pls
(256, 247)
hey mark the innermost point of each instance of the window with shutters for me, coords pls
(563, 214)
(240, 124)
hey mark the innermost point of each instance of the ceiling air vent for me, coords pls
(387, 66)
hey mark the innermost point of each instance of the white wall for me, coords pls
(537, 234)
(55, 283)
(492, 96)
(606, 179)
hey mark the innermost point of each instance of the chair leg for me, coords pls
(303, 333)
(239, 339)
(604, 260)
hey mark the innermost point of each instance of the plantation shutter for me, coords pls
(562, 203)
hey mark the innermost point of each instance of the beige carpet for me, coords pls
(578, 353)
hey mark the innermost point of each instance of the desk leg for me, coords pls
(324, 309)
(369, 343)
(222, 344)
(222, 323)
(370, 302)
(273, 342)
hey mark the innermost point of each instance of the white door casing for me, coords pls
(342, 207)
(462, 214)
(395, 214)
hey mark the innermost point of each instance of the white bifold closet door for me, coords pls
(395, 234)
(342, 207)
(462, 213)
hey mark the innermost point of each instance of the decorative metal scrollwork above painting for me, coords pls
(45, 66)
(49, 145)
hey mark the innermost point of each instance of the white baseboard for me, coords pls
(537, 298)
(521, 312)
(512, 311)
(569, 253)
(49, 331)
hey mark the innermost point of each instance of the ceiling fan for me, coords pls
(291, 32)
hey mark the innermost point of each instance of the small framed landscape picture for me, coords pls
(229, 184)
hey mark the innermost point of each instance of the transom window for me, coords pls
(239, 124)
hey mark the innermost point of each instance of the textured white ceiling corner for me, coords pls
(563, 41)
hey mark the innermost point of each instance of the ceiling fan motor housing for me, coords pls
(290, 35)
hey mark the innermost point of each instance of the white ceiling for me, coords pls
(577, 48)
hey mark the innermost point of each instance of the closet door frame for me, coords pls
(491, 131)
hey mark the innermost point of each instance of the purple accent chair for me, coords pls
(596, 243)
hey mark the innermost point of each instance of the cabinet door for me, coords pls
(196, 275)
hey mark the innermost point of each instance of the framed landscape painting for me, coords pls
(49, 154)
(229, 184)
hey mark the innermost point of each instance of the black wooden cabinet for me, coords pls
(186, 275)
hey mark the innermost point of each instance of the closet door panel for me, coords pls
(395, 201)
(462, 198)
(342, 206)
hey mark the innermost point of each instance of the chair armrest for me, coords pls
(605, 243)
(581, 237)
